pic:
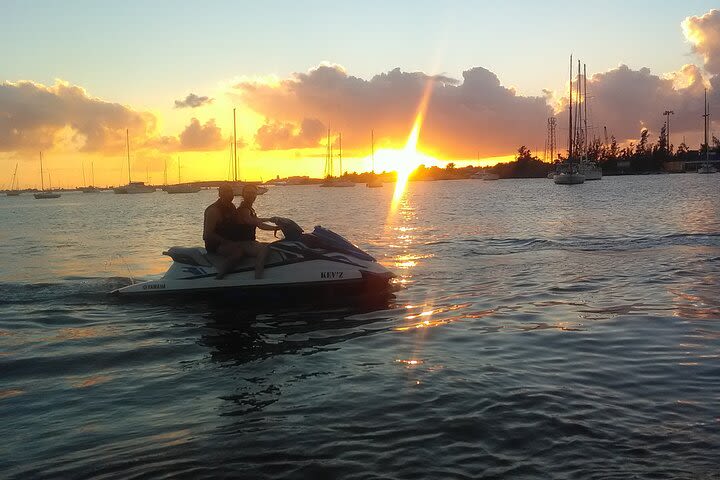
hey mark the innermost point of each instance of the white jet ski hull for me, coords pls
(290, 266)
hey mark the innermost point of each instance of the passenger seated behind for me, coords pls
(221, 230)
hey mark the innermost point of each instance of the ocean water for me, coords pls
(537, 331)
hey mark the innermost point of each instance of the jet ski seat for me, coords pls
(189, 256)
(199, 257)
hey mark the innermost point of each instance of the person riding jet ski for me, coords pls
(230, 232)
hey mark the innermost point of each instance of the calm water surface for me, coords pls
(540, 331)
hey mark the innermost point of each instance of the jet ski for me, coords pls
(321, 262)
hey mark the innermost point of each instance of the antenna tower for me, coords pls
(550, 140)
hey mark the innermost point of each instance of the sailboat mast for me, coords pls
(235, 169)
(14, 185)
(230, 164)
(585, 108)
(83, 170)
(127, 141)
(340, 156)
(92, 172)
(179, 182)
(578, 116)
(42, 181)
(707, 118)
(328, 173)
(570, 129)
(330, 157)
(372, 149)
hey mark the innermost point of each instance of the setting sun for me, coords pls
(409, 158)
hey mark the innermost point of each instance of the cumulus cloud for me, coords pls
(282, 136)
(34, 116)
(198, 137)
(193, 101)
(627, 100)
(704, 34)
(162, 143)
(464, 117)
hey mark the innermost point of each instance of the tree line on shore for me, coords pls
(643, 156)
(634, 158)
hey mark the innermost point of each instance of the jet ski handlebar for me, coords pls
(290, 229)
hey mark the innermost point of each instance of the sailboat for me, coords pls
(568, 173)
(14, 190)
(330, 180)
(237, 185)
(706, 167)
(374, 182)
(132, 187)
(180, 188)
(44, 194)
(485, 175)
(586, 167)
(91, 188)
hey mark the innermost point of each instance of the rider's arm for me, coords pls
(211, 220)
(265, 226)
(248, 219)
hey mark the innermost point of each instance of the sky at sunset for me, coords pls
(76, 74)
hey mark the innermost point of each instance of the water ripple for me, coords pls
(537, 333)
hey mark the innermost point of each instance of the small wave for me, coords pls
(70, 289)
(582, 243)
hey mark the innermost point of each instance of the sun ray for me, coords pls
(409, 159)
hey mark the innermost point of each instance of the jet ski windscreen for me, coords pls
(338, 243)
(290, 229)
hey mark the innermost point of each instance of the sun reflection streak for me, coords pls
(11, 392)
(409, 158)
(410, 362)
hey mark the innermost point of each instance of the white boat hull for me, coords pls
(184, 279)
(705, 169)
(485, 176)
(590, 170)
(134, 188)
(291, 266)
(172, 189)
(46, 195)
(568, 179)
(340, 184)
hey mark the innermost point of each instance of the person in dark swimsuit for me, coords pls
(249, 221)
(221, 230)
